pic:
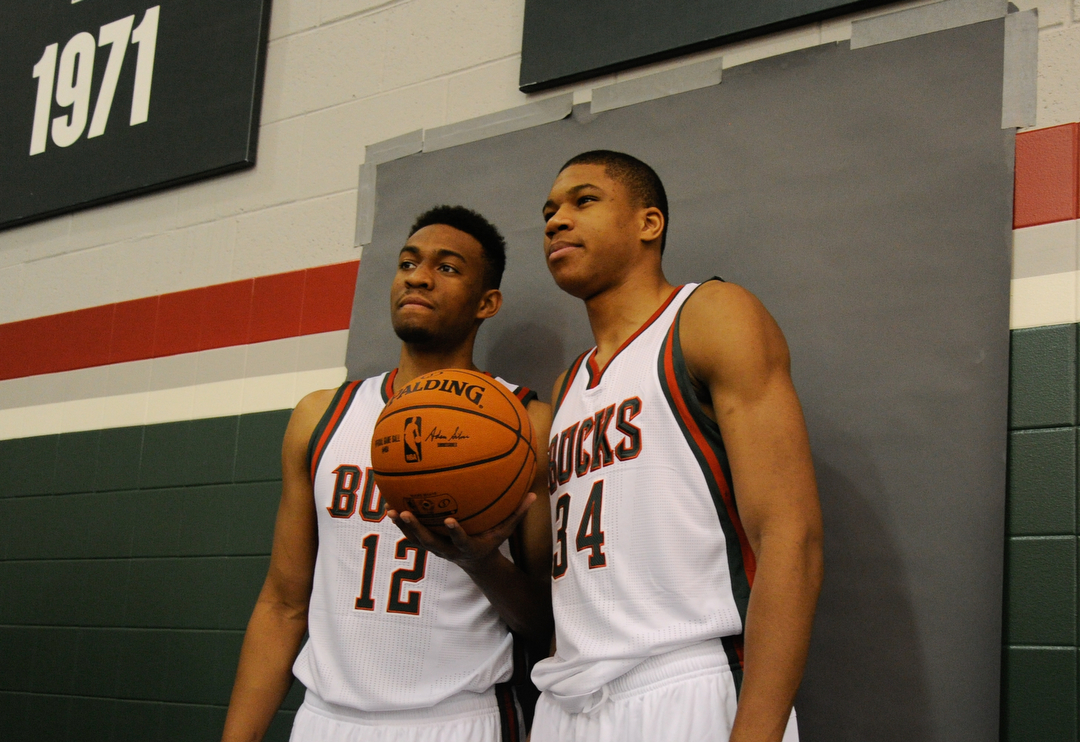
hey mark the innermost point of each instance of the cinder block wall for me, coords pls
(1040, 616)
(150, 350)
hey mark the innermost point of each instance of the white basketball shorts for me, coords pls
(493, 716)
(687, 694)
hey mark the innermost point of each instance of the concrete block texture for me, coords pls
(1042, 482)
(1059, 75)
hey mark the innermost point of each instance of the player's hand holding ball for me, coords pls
(453, 454)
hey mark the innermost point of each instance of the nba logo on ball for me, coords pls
(459, 458)
(413, 453)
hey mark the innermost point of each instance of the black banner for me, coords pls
(568, 40)
(108, 98)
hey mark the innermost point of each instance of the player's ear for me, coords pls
(490, 304)
(652, 224)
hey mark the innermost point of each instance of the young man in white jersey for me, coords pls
(687, 558)
(409, 633)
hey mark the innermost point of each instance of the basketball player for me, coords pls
(687, 552)
(409, 642)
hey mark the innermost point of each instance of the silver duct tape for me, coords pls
(523, 117)
(658, 85)
(923, 20)
(1019, 88)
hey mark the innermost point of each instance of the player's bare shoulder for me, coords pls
(723, 327)
(306, 415)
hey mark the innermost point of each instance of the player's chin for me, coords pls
(572, 280)
(414, 333)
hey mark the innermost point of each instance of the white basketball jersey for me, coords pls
(649, 553)
(390, 626)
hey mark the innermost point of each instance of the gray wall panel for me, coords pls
(865, 196)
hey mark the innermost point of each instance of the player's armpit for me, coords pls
(279, 619)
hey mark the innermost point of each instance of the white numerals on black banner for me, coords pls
(72, 80)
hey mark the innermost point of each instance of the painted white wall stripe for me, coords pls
(198, 401)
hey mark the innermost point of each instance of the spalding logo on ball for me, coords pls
(454, 443)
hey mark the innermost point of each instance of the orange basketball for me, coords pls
(454, 444)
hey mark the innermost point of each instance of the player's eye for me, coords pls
(446, 268)
(586, 199)
(405, 265)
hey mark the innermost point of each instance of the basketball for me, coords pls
(454, 444)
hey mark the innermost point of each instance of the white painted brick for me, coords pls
(290, 16)
(10, 291)
(280, 63)
(332, 10)
(11, 423)
(44, 419)
(1076, 10)
(123, 220)
(330, 65)
(82, 414)
(170, 405)
(771, 45)
(1051, 12)
(483, 90)
(272, 181)
(334, 139)
(1059, 77)
(429, 38)
(1043, 300)
(125, 410)
(37, 240)
(294, 236)
(65, 282)
(218, 399)
(310, 381)
(265, 393)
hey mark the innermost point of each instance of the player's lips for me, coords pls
(558, 249)
(415, 301)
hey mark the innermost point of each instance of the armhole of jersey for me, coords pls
(328, 423)
(702, 435)
(568, 379)
(525, 395)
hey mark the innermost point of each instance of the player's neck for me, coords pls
(417, 361)
(617, 313)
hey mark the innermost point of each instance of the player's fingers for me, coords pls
(461, 539)
(414, 529)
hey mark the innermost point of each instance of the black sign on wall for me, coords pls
(103, 99)
(568, 40)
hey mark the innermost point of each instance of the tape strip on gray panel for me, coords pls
(365, 205)
(1019, 99)
(523, 117)
(392, 149)
(922, 20)
(658, 85)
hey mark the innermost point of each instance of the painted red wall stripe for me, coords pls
(328, 298)
(255, 310)
(1047, 176)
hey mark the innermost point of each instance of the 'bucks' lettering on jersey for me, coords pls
(649, 555)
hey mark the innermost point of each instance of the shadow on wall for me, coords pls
(865, 643)
(525, 353)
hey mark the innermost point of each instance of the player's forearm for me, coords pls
(777, 637)
(264, 674)
(524, 604)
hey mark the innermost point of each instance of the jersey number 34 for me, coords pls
(590, 536)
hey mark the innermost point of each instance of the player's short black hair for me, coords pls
(477, 227)
(641, 180)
